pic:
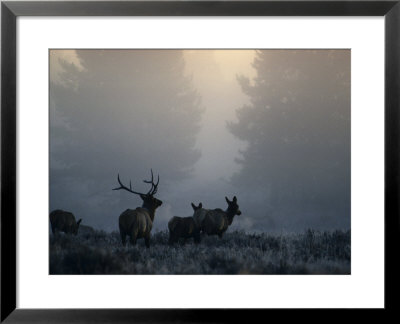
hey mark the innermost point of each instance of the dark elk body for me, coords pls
(63, 221)
(137, 223)
(183, 227)
(217, 221)
(199, 215)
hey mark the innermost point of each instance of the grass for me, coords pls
(311, 252)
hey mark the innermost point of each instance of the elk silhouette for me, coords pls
(216, 221)
(183, 227)
(137, 223)
(63, 221)
(199, 215)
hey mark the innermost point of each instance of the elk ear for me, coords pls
(78, 222)
(234, 199)
(200, 205)
(227, 200)
(143, 196)
(193, 206)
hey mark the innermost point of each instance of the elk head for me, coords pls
(233, 207)
(197, 207)
(149, 201)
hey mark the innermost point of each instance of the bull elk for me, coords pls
(183, 227)
(137, 223)
(216, 221)
(63, 221)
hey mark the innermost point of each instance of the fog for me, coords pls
(208, 123)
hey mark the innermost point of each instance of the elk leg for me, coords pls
(133, 239)
(147, 240)
(197, 238)
(123, 238)
(133, 235)
(122, 234)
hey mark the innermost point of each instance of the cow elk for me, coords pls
(137, 223)
(63, 221)
(183, 227)
(216, 221)
(199, 215)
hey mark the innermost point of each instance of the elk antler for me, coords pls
(151, 192)
(154, 186)
(126, 188)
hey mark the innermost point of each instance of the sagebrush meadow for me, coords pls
(97, 252)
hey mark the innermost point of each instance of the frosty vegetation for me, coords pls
(98, 252)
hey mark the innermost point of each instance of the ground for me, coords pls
(310, 252)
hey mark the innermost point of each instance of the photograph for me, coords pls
(199, 161)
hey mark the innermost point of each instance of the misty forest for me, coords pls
(199, 162)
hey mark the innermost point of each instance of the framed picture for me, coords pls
(163, 150)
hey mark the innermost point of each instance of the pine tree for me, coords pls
(124, 111)
(297, 127)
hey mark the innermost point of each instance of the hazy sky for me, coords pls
(214, 76)
(108, 115)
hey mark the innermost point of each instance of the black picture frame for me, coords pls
(10, 10)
